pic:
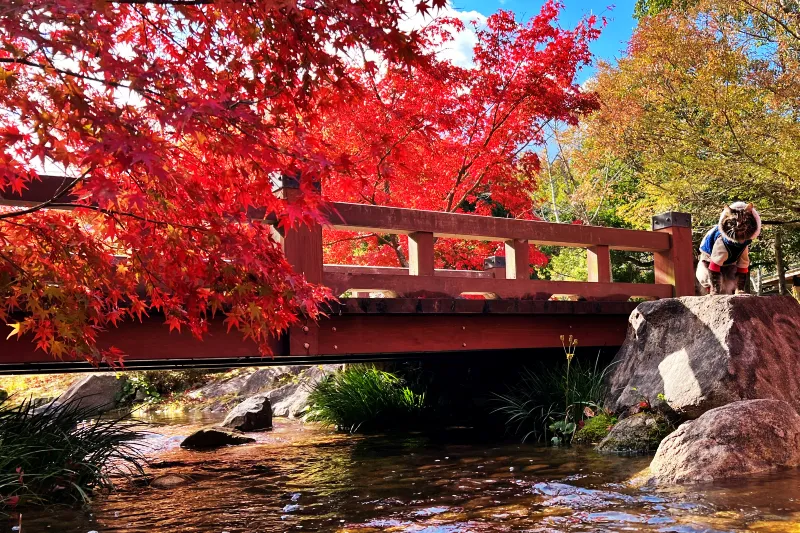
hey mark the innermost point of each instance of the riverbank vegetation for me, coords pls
(553, 402)
(363, 398)
(62, 453)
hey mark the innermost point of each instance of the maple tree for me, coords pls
(168, 120)
(442, 137)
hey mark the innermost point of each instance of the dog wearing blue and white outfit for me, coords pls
(724, 252)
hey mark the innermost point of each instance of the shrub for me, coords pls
(154, 385)
(364, 398)
(62, 453)
(548, 402)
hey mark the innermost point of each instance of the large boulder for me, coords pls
(640, 433)
(698, 353)
(213, 438)
(99, 392)
(739, 439)
(253, 414)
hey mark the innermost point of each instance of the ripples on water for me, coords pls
(300, 478)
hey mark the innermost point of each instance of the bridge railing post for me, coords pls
(518, 263)
(420, 253)
(675, 266)
(598, 264)
(302, 247)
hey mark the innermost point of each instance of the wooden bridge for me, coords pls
(401, 312)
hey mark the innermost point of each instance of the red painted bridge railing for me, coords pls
(503, 278)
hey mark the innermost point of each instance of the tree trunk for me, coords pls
(779, 263)
(394, 241)
(760, 287)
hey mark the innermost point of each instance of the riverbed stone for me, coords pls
(253, 414)
(213, 438)
(169, 481)
(98, 392)
(699, 353)
(640, 433)
(739, 439)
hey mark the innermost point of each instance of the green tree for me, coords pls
(704, 110)
(648, 8)
(581, 183)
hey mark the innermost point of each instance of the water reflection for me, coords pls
(299, 478)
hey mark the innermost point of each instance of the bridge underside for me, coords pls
(358, 330)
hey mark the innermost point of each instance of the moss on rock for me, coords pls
(595, 429)
(640, 433)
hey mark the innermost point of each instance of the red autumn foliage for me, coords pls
(171, 118)
(442, 137)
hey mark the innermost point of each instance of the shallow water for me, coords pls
(303, 478)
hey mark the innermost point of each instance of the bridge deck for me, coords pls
(358, 329)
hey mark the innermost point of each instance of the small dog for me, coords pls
(724, 258)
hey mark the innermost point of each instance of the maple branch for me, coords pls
(60, 193)
(394, 242)
(17, 267)
(345, 239)
(112, 212)
(34, 64)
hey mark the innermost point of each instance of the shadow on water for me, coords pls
(300, 478)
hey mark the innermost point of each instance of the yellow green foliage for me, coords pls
(704, 112)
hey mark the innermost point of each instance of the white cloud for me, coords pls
(459, 50)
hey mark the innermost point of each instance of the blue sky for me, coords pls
(613, 40)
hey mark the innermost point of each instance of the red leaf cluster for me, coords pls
(442, 137)
(171, 120)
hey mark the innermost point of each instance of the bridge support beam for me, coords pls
(675, 266)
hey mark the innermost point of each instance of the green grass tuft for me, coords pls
(364, 398)
(62, 454)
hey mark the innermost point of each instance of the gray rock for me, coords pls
(253, 414)
(640, 433)
(38, 402)
(213, 438)
(739, 439)
(226, 387)
(705, 352)
(291, 400)
(269, 378)
(95, 391)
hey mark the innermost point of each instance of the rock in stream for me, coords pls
(737, 440)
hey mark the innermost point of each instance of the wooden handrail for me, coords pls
(370, 218)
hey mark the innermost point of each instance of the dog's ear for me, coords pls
(727, 210)
(749, 208)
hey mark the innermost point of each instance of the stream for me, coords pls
(305, 478)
